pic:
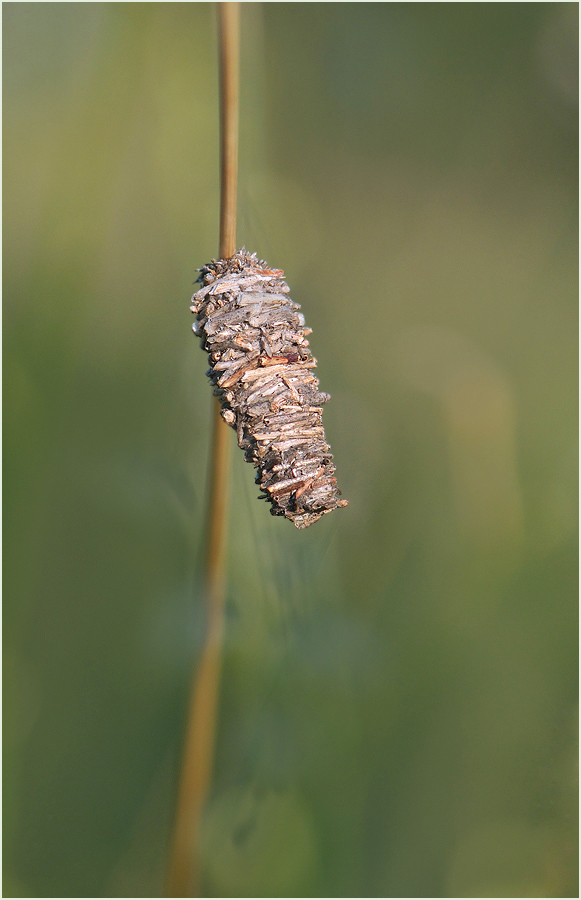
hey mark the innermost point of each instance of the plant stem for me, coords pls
(198, 752)
(229, 19)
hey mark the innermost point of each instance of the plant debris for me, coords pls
(262, 369)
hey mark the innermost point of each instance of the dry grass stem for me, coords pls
(198, 751)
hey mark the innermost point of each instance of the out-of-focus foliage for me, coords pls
(398, 703)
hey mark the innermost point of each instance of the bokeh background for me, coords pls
(398, 710)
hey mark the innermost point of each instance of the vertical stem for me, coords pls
(229, 21)
(198, 752)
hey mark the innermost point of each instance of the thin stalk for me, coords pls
(198, 752)
(229, 22)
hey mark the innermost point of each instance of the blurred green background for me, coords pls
(398, 710)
